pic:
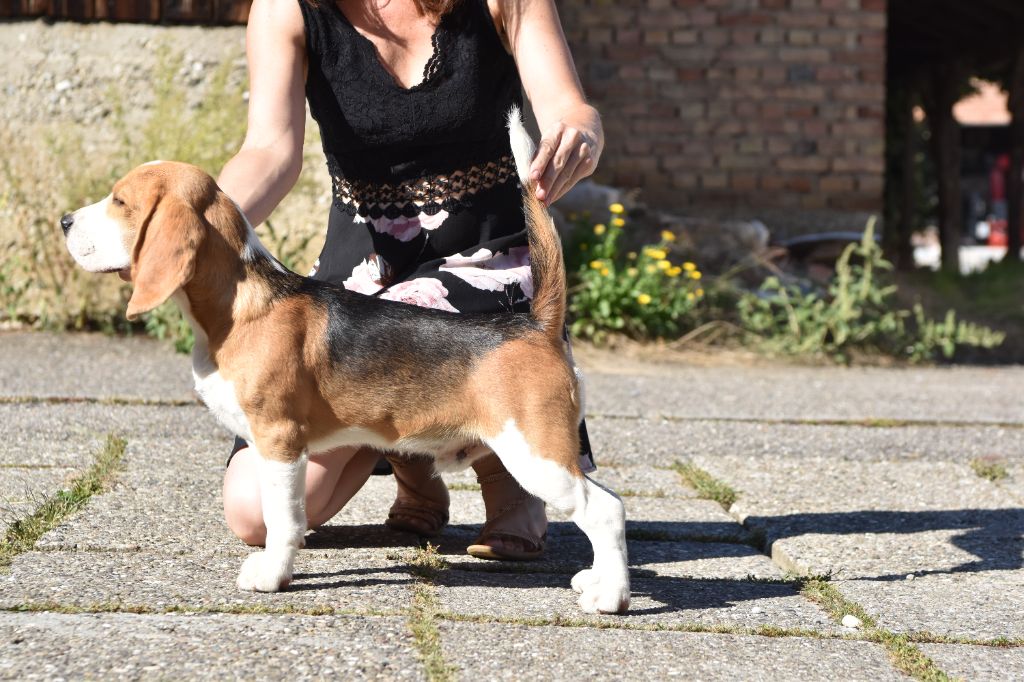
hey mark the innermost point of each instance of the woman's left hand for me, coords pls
(568, 152)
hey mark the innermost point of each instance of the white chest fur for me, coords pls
(219, 395)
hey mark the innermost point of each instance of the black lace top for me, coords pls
(395, 151)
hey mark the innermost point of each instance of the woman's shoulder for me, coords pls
(281, 16)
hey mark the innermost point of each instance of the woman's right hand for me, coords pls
(267, 166)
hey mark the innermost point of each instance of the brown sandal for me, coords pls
(413, 512)
(501, 484)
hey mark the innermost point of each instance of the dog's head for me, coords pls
(148, 229)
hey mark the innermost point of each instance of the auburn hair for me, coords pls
(436, 7)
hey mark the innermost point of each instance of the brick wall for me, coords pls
(766, 108)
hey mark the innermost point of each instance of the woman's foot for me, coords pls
(516, 527)
(421, 505)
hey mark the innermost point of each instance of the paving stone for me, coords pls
(48, 646)
(92, 365)
(875, 519)
(666, 601)
(350, 579)
(22, 490)
(1014, 484)
(960, 535)
(70, 434)
(633, 441)
(982, 605)
(517, 652)
(568, 553)
(948, 394)
(977, 663)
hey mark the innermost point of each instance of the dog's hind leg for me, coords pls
(604, 588)
(283, 498)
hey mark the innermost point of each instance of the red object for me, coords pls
(997, 235)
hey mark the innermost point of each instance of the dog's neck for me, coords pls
(230, 288)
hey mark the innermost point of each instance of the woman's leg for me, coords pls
(516, 525)
(332, 479)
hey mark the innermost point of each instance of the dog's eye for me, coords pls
(117, 202)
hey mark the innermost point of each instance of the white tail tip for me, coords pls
(522, 144)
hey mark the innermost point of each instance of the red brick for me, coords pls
(743, 182)
(744, 19)
(684, 36)
(831, 184)
(873, 5)
(814, 164)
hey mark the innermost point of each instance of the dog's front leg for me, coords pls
(283, 497)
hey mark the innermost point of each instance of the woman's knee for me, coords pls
(243, 510)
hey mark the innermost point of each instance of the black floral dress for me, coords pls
(427, 206)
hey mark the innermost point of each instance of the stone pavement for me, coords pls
(809, 494)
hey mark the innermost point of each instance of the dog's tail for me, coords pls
(546, 263)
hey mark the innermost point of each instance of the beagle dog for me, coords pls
(295, 366)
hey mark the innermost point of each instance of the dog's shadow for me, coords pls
(568, 551)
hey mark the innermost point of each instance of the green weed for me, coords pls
(856, 315)
(22, 535)
(707, 486)
(643, 294)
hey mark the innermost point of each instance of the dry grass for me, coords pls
(51, 169)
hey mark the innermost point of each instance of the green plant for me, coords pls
(856, 314)
(640, 294)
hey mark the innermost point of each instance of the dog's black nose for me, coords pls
(66, 221)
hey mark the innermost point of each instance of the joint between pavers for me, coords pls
(23, 534)
(184, 609)
(87, 400)
(866, 422)
(422, 618)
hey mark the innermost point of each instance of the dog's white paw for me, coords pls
(265, 572)
(601, 595)
(585, 579)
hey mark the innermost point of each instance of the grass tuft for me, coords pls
(22, 535)
(427, 563)
(707, 486)
(902, 651)
(991, 467)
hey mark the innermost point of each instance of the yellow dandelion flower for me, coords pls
(617, 222)
(643, 299)
(616, 208)
(632, 272)
(674, 271)
(700, 292)
(597, 264)
(689, 267)
(650, 269)
(668, 235)
(631, 255)
(690, 297)
(574, 217)
(664, 265)
(695, 274)
(605, 272)
(655, 254)
(599, 229)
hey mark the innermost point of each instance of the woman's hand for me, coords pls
(572, 137)
(568, 152)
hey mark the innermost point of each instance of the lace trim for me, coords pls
(426, 194)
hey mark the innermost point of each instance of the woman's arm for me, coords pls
(572, 136)
(267, 166)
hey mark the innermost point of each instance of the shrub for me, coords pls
(856, 314)
(641, 294)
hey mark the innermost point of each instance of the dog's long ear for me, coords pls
(164, 256)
